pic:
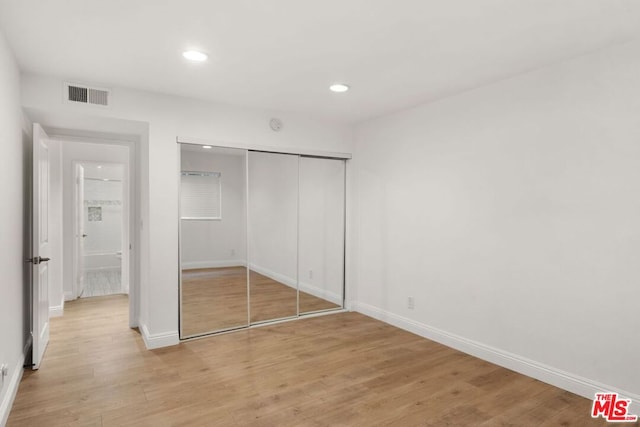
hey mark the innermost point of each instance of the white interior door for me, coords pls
(41, 246)
(80, 231)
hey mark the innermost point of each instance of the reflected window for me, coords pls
(200, 195)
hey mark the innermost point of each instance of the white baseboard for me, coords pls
(191, 265)
(69, 296)
(12, 390)
(152, 341)
(57, 310)
(574, 383)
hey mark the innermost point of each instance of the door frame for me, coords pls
(134, 212)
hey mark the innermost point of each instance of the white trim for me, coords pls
(284, 150)
(12, 390)
(192, 265)
(153, 341)
(567, 381)
(69, 296)
(56, 311)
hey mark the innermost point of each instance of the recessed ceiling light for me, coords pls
(194, 55)
(206, 146)
(99, 167)
(105, 179)
(339, 87)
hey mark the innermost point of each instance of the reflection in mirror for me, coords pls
(321, 241)
(273, 235)
(212, 240)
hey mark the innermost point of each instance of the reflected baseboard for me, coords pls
(324, 294)
(278, 277)
(308, 288)
(193, 265)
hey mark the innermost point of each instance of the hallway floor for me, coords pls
(102, 282)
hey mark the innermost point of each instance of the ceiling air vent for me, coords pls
(86, 95)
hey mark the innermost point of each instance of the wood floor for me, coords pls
(216, 298)
(338, 370)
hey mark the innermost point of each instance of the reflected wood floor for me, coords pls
(216, 298)
(343, 369)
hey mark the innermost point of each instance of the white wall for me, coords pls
(169, 117)
(77, 152)
(511, 213)
(217, 243)
(15, 184)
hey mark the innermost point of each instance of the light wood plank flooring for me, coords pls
(337, 370)
(216, 298)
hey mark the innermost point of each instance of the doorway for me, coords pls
(101, 229)
(97, 182)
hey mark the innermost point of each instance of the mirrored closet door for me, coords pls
(213, 240)
(262, 237)
(273, 236)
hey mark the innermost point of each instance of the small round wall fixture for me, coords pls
(339, 87)
(275, 124)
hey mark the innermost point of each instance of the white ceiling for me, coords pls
(283, 54)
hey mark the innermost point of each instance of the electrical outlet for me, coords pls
(310, 274)
(411, 304)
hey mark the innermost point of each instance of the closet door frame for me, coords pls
(274, 150)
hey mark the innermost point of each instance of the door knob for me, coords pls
(37, 260)
(84, 235)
